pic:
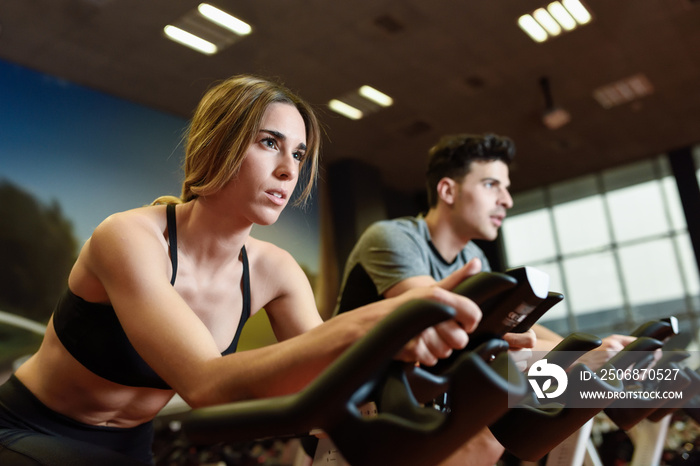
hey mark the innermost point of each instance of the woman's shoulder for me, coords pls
(118, 243)
(129, 230)
(141, 219)
(273, 262)
(275, 273)
(266, 254)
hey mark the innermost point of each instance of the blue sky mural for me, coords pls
(96, 154)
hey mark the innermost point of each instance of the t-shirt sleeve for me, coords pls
(390, 253)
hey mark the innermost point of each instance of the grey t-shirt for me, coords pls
(391, 251)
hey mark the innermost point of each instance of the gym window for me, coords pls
(615, 243)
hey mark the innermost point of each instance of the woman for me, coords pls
(158, 296)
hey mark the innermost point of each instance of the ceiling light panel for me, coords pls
(577, 10)
(338, 106)
(532, 28)
(360, 103)
(209, 24)
(551, 21)
(546, 20)
(189, 40)
(224, 19)
(378, 97)
(562, 16)
(623, 91)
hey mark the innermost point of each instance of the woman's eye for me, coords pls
(269, 142)
(299, 156)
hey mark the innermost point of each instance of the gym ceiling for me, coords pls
(448, 65)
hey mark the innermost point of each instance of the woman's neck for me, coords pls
(209, 233)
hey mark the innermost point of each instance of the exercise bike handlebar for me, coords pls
(326, 396)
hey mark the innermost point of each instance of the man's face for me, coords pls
(481, 200)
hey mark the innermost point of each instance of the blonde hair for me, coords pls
(225, 124)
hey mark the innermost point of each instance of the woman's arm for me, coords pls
(290, 304)
(128, 258)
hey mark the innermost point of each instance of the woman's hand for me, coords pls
(439, 341)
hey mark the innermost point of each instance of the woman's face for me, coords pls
(270, 168)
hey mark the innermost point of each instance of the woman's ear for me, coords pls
(446, 190)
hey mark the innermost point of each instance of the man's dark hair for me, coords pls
(453, 155)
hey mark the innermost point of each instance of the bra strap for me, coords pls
(172, 239)
(245, 314)
(246, 285)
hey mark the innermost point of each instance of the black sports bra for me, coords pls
(93, 335)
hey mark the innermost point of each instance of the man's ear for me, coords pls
(447, 190)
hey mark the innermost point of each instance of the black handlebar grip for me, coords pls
(658, 329)
(572, 347)
(549, 302)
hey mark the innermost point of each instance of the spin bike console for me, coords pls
(509, 302)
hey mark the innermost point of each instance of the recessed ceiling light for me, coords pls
(344, 109)
(623, 91)
(532, 28)
(562, 16)
(190, 40)
(224, 19)
(376, 96)
(577, 10)
(545, 19)
(207, 29)
(361, 102)
(544, 23)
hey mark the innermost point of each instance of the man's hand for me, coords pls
(458, 276)
(525, 340)
(521, 345)
(611, 345)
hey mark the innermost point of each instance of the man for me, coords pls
(467, 187)
(468, 197)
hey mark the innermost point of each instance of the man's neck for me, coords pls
(443, 236)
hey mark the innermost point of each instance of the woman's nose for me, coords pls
(287, 168)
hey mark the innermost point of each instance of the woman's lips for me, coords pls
(277, 197)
